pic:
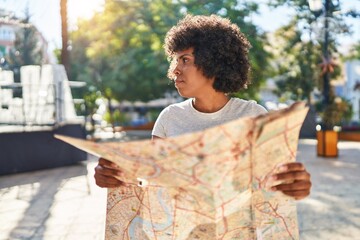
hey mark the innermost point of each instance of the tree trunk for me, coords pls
(111, 112)
(65, 60)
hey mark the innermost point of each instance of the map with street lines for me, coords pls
(204, 185)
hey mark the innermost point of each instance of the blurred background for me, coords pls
(97, 70)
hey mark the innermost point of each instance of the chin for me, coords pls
(184, 95)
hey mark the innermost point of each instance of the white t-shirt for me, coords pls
(180, 118)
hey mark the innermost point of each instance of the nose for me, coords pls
(176, 70)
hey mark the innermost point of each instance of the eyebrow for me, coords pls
(184, 55)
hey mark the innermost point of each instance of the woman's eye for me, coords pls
(185, 60)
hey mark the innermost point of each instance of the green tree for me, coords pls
(90, 98)
(354, 52)
(27, 49)
(296, 63)
(124, 51)
(300, 59)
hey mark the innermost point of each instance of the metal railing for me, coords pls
(40, 99)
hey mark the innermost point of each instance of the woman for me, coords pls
(209, 60)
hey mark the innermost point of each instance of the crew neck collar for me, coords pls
(213, 114)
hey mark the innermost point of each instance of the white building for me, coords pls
(9, 26)
(352, 86)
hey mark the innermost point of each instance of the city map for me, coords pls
(204, 185)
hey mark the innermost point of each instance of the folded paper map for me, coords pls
(204, 185)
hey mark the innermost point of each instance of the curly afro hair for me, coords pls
(220, 50)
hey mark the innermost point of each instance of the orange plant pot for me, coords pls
(327, 143)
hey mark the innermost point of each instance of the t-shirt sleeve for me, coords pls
(159, 129)
(257, 109)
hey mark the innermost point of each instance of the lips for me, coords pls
(179, 82)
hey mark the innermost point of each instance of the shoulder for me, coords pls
(179, 106)
(176, 108)
(170, 115)
(248, 107)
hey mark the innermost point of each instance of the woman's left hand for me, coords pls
(293, 179)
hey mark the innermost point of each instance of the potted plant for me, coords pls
(327, 131)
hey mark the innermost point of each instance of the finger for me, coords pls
(295, 186)
(109, 185)
(297, 194)
(109, 182)
(291, 176)
(108, 171)
(289, 167)
(106, 163)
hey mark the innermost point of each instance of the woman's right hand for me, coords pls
(105, 174)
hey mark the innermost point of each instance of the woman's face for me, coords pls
(189, 80)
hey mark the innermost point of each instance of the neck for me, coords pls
(211, 103)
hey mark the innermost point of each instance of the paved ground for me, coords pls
(333, 209)
(64, 203)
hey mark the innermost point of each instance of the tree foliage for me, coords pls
(27, 49)
(297, 63)
(121, 48)
(354, 52)
(300, 54)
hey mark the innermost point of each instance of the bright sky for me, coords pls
(45, 15)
